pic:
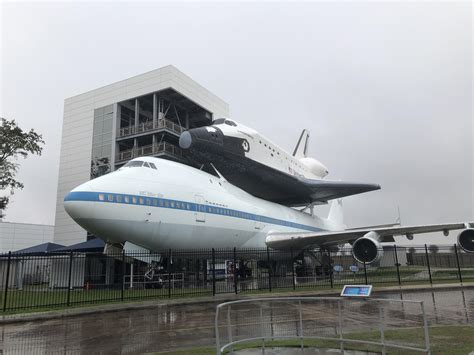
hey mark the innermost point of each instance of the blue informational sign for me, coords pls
(356, 291)
(354, 268)
(338, 268)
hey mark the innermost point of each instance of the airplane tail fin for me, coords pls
(302, 145)
(336, 214)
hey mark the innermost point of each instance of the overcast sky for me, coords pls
(384, 88)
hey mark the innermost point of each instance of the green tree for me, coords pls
(14, 143)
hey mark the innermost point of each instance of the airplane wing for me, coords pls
(330, 238)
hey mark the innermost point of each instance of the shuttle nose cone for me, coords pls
(185, 140)
(204, 137)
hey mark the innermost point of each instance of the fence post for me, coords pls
(69, 281)
(213, 272)
(428, 263)
(124, 270)
(457, 262)
(293, 269)
(269, 271)
(7, 281)
(382, 330)
(397, 264)
(330, 269)
(365, 274)
(169, 273)
(235, 271)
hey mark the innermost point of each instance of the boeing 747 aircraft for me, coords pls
(159, 205)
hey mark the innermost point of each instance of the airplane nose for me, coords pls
(75, 202)
(209, 137)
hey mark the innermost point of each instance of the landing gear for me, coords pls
(152, 276)
(314, 263)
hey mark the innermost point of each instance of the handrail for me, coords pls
(300, 334)
(158, 124)
(163, 147)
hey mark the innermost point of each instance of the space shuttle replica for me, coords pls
(246, 198)
(255, 164)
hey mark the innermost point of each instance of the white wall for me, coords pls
(15, 236)
(76, 143)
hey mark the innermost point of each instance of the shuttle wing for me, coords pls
(325, 190)
(330, 238)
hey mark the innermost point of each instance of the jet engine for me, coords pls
(466, 240)
(315, 167)
(367, 249)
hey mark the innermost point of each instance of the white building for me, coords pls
(106, 127)
(16, 236)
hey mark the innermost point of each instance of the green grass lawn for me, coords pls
(452, 340)
(40, 297)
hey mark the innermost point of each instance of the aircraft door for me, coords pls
(200, 212)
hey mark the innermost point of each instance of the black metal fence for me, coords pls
(66, 279)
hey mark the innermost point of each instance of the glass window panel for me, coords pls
(97, 140)
(98, 128)
(107, 126)
(106, 150)
(96, 152)
(98, 112)
(108, 109)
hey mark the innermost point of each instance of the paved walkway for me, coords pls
(176, 324)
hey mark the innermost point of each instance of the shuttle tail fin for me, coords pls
(302, 145)
(336, 213)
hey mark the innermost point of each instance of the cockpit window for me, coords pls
(230, 123)
(134, 164)
(224, 120)
(139, 163)
(219, 121)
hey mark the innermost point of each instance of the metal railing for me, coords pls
(64, 279)
(150, 126)
(338, 320)
(152, 149)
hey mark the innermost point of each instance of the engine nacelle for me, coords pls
(367, 249)
(466, 240)
(315, 167)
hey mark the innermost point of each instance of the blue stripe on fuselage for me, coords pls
(179, 205)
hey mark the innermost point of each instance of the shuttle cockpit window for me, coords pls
(219, 121)
(230, 123)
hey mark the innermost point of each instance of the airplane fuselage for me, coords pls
(179, 207)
